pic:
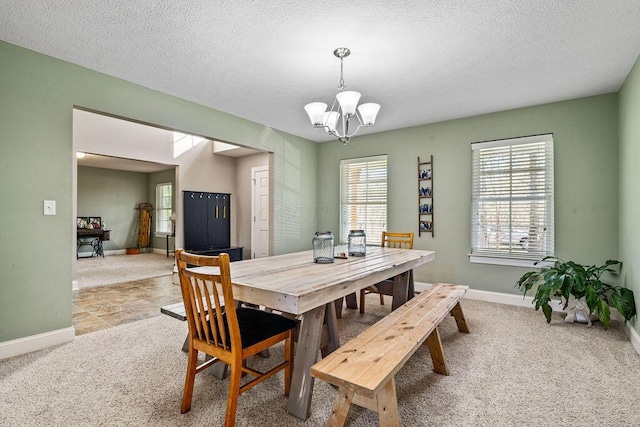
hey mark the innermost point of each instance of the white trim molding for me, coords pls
(527, 301)
(106, 253)
(633, 336)
(36, 342)
(499, 297)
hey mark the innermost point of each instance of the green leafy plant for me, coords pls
(568, 278)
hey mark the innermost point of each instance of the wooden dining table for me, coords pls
(293, 283)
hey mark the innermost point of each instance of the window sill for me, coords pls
(511, 262)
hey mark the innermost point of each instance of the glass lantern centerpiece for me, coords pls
(357, 243)
(323, 247)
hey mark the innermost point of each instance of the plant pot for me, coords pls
(578, 311)
(133, 251)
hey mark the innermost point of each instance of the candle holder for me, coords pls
(357, 243)
(323, 247)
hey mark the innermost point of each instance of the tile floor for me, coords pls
(103, 307)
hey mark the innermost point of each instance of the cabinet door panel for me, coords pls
(224, 227)
(195, 220)
(213, 211)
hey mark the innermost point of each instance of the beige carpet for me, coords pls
(99, 271)
(512, 370)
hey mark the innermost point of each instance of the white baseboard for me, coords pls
(116, 252)
(527, 301)
(510, 299)
(121, 252)
(74, 285)
(61, 336)
(499, 297)
(106, 253)
(36, 342)
(633, 336)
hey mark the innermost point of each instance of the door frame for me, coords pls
(253, 207)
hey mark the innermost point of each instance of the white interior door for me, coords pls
(260, 212)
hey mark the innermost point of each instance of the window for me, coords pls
(164, 208)
(182, 142)
(363, 197)
(512, 200)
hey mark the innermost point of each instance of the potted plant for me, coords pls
(569, 279)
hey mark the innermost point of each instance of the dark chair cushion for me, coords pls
(258, 325)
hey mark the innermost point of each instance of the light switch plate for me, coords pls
(49, 207)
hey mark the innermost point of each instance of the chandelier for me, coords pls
(336, 121)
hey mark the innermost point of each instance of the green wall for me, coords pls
(113, 196)
(630, 184)
(37, 96)
(38, 93)
(586, 174)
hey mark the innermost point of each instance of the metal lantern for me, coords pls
(323, 247)
(357, 243)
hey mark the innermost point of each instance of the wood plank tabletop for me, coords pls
(295, 284)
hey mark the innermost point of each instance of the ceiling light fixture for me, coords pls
(343, 108)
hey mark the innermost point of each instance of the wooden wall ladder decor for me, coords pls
(425, 197)
(145, 216)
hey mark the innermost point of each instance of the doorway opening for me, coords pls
(124, 162)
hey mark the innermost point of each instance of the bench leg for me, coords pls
(388, 405)
(385, 403)
(340, 408)
(456, 312)
(437, 355)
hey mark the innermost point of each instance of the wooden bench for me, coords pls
(364, 368)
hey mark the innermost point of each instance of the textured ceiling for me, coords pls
(423, 61)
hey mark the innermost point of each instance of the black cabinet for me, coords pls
(207, 224)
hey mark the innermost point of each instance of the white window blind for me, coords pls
(164, 207)
(363, 197)
(512, 198)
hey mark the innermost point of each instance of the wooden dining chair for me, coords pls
(228, 333)
(389, 240)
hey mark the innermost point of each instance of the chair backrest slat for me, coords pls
(219, 319)
(193, 308)
(397, 240)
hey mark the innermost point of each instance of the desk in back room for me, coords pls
(94, 238)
